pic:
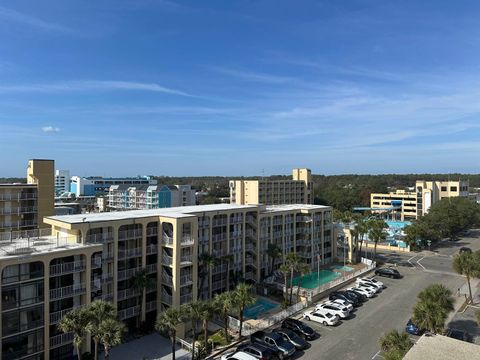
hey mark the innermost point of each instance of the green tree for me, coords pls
(206, 262)
(207, 313)
(140, 283)
(243, 297)
(225, 304)
(469, 265)
(439, 294)
(361, 228)
(377, 233)
(168, 321)
(75, 321)
(395, 344)
(111, 331)
(430, 316)
(292, 261)
(274, 252)
(98, 312)
(194, 310)
(285, 270)
(302, 269)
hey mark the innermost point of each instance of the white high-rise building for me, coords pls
(62, 181)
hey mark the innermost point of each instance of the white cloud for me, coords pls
(16, 16)
(50, 129)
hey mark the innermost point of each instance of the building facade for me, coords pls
(126, 197)
(299, 190)
(95, 256)
(23, 206)
(62, 181)
(93, 186)
(407, 205)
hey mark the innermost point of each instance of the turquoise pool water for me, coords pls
(343, 268)
(315, 279)
(261, 306)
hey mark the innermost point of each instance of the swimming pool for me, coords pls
(343, 268)
(315, 279)
(261, 306)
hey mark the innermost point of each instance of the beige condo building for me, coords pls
(299, 190)
(94, 256)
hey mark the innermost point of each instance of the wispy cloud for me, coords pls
(254, 76)
(50, 129)
(18, 17)
(91, 85)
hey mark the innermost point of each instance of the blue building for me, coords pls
(95, 186)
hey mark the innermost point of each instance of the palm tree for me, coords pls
(243, 297)
(99, 311)
(274, 252)
(362, 229)
(207, 313)
(469, 265)
(395, 342)
(168, 322)
(111, 331)
(292, 262)
(225, 303)
(376, 233)
(194, 309)
(285, 270)
(228, 259)
(140, 283)
(438, 294)
(302, 269)
(75, 321)
(206, 262)
(430, 316)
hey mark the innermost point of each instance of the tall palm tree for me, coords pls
(225, 303)
(243, 297)
(362, 229)
(292, 262)
(376, 233)
(430, 316)
(285, 270)
(207, 313)
(228, 260)
(194, 310)
(140, 283)
(302, 269)
(75, 321)
(98, 312)
(393, 341)
(111, 331)
(274, 252)
(438, 294)
(206, 262)
(168, 321)
(469, 265)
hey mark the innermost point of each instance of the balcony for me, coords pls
(186, 280)
(204, 239)
(236, 220)
(67, 268)
(219, 237)
(61, 339)
(152, 249)
(152, 231)
(126, 294)
(150, 306)
(166, 260)
(166, 298)
(67, 291)
(251, 220)
(18, 210)
(219, 222)
(130, 253)
(107, 255)
(167, 240)
(57, 315)
(18, 224)
(151, 268)
(219, 269)
(167, 279)
(188, 258)
(250, 261)
(249, 276)
(187, 240)
(185, 299)
(249, 247)
(127, 274)
(129, 234)
(17, 197)
(128, 312)
(251, 233)
(99, 238)
(96, 262)
(219, 284)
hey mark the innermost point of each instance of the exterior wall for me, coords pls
(62, 181)
(408, 210)
(18, 207)
(41, 173)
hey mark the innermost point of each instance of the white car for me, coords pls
(376, 284)
(364, 291)
(369, 286)
(343, 303)
(324, 318)
(238, 355)
(341, 312)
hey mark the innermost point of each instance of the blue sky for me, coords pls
(117, 87)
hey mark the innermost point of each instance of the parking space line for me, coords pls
(377, 354)
(409, 260)
(418, 262)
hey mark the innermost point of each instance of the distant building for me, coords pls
(299, 190)
(406, 205)
(93, 186)
(439, 347)
(62, 181)
(127, 197)
(23, 206)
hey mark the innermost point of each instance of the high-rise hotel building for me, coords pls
(95, 256)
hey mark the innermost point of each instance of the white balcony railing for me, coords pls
(130, 253)
(166, 298)
(187, 240)
(128, 312)
(186, 258)
(127, 274)
(167, 240)
(151, 268)
(130, 234)
(61, 339)
(99, 238)
(185, 299)
(152, 249)
(67, 268)
(167, 260)
(186, 280)
(126, 294)
(167, 279)
(67, 291)
(57, 315)
(150, 306)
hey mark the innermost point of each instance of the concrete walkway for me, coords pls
(150, 347)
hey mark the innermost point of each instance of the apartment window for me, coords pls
(21, 272)
(18, 321)
(443, 188)
(22, 295)
(21, 345)
(453, 188)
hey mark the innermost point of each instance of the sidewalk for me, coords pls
(465, 320)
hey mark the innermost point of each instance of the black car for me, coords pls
(300, 328)
(465, 250)
(458, 334)
(360, 297)
(288, 335)
(388, 272)
(259, 351)
(344, 296)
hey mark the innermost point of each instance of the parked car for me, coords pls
(465, 250)
(364, 291)
(345, 297)
(338, 310)
(413, 329)
(284, 348)
(458, 334)
(288, 335)
(366, 282)
(324, 318)
(388, 272)
(258, 351)
(360, 298)
(300, 328)
(237, 355)
(345, 303)
(374, 281)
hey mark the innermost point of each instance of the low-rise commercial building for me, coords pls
(95, 256)
(299, 190)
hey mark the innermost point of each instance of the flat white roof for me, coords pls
(174, 212)
(439, 347)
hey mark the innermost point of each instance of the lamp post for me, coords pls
(318, 267)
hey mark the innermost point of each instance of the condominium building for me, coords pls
(62, 181)
(93, 186)
(95, 256)
(23, 206)
(299, 190)
(125, 197)
(405, 205)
